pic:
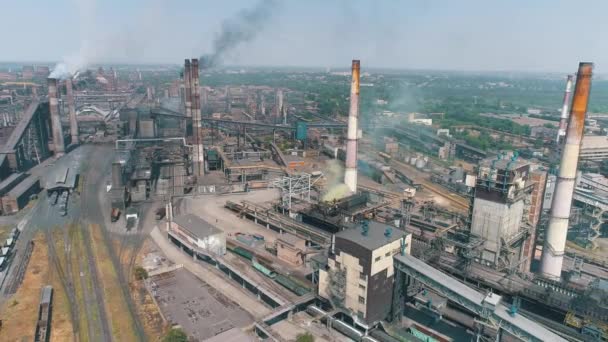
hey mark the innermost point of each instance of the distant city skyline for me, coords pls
(543, 36)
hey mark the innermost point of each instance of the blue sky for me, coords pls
(539, 35)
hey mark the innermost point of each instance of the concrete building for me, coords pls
(199, 233)
(291, 248)
(360, 274)
(594, 147)
(498, 211)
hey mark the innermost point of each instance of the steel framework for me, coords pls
(297, 185)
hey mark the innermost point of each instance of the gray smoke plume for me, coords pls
(241, 28)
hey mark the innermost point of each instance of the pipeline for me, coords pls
(557, 231)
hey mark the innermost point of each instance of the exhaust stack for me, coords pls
(198, 157)
(555, 236)
(563, 122)
(55, 119)
(350, 173)
(72, 110)
(188, 88)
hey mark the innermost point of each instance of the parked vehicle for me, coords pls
(160, 213)
(115, 214)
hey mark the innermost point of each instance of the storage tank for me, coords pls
(420, 163)
(413, 161)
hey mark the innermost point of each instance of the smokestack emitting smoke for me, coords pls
(350, 174)
(55, 120)
(336, 188)
(563, 122)
(242, 28)
(557, 231)
(71, 108)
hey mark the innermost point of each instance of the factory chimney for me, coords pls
(563, 122)
(556, 233)
(55, 119)
(72, 110)
(188, 90)
(199, 157)
(350, 174)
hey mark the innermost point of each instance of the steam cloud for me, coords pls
(239, 29)
(336, 189)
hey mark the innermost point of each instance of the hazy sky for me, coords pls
(540, 35)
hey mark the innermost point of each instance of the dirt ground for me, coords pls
(19, 315)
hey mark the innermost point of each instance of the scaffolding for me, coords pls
(293, 186)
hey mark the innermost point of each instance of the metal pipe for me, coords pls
(72, 110)
(563, 122)
(187, 87)
(556, 234)
(55, 119)
(350, 174)
(198, 157)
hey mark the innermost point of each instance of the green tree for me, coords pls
(140, 273)
(175, 335)
(305, 337)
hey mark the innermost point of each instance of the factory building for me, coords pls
(198, 234)
(359, 276)
(17, 198)
(594, 148)
(498, 211)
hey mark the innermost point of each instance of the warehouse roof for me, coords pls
(11, 182)
(377, 235)
(22, 187)
(595, 141)
(196, 225)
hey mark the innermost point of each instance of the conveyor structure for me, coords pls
(487, 307)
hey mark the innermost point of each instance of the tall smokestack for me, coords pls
(555, 236)
(279, 104)
(55, 119)
(563, 122)
(350, 174)
(72, 110)
(199, 157)
(188, 88)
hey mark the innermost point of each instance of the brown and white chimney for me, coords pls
(72, 110)
(55, 119)
(188, 88)
(198, 157)
(557, 231)
(350, 172)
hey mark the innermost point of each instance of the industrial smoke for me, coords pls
(336, 189)
(242, 28)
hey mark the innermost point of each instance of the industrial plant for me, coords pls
(202, 202)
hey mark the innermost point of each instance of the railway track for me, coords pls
(65, 282)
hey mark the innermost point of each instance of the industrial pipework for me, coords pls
(72, 109)
(198, 157)
(55, 119)
(187, 87)
(350, 174)
(563, 122)
(557, 231)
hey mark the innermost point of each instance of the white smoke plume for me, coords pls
(336, 189)
(241, 28)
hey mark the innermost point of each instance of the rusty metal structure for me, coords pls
(350, 173)
(56, 129)
(563, 122)
(556, 234)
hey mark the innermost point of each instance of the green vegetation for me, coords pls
(140, 273)
(175, 335)
(305, 337)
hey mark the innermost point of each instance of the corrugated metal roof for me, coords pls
(22, 187)
(196, 225)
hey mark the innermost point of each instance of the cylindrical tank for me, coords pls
(420, 163)
(413, 160)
